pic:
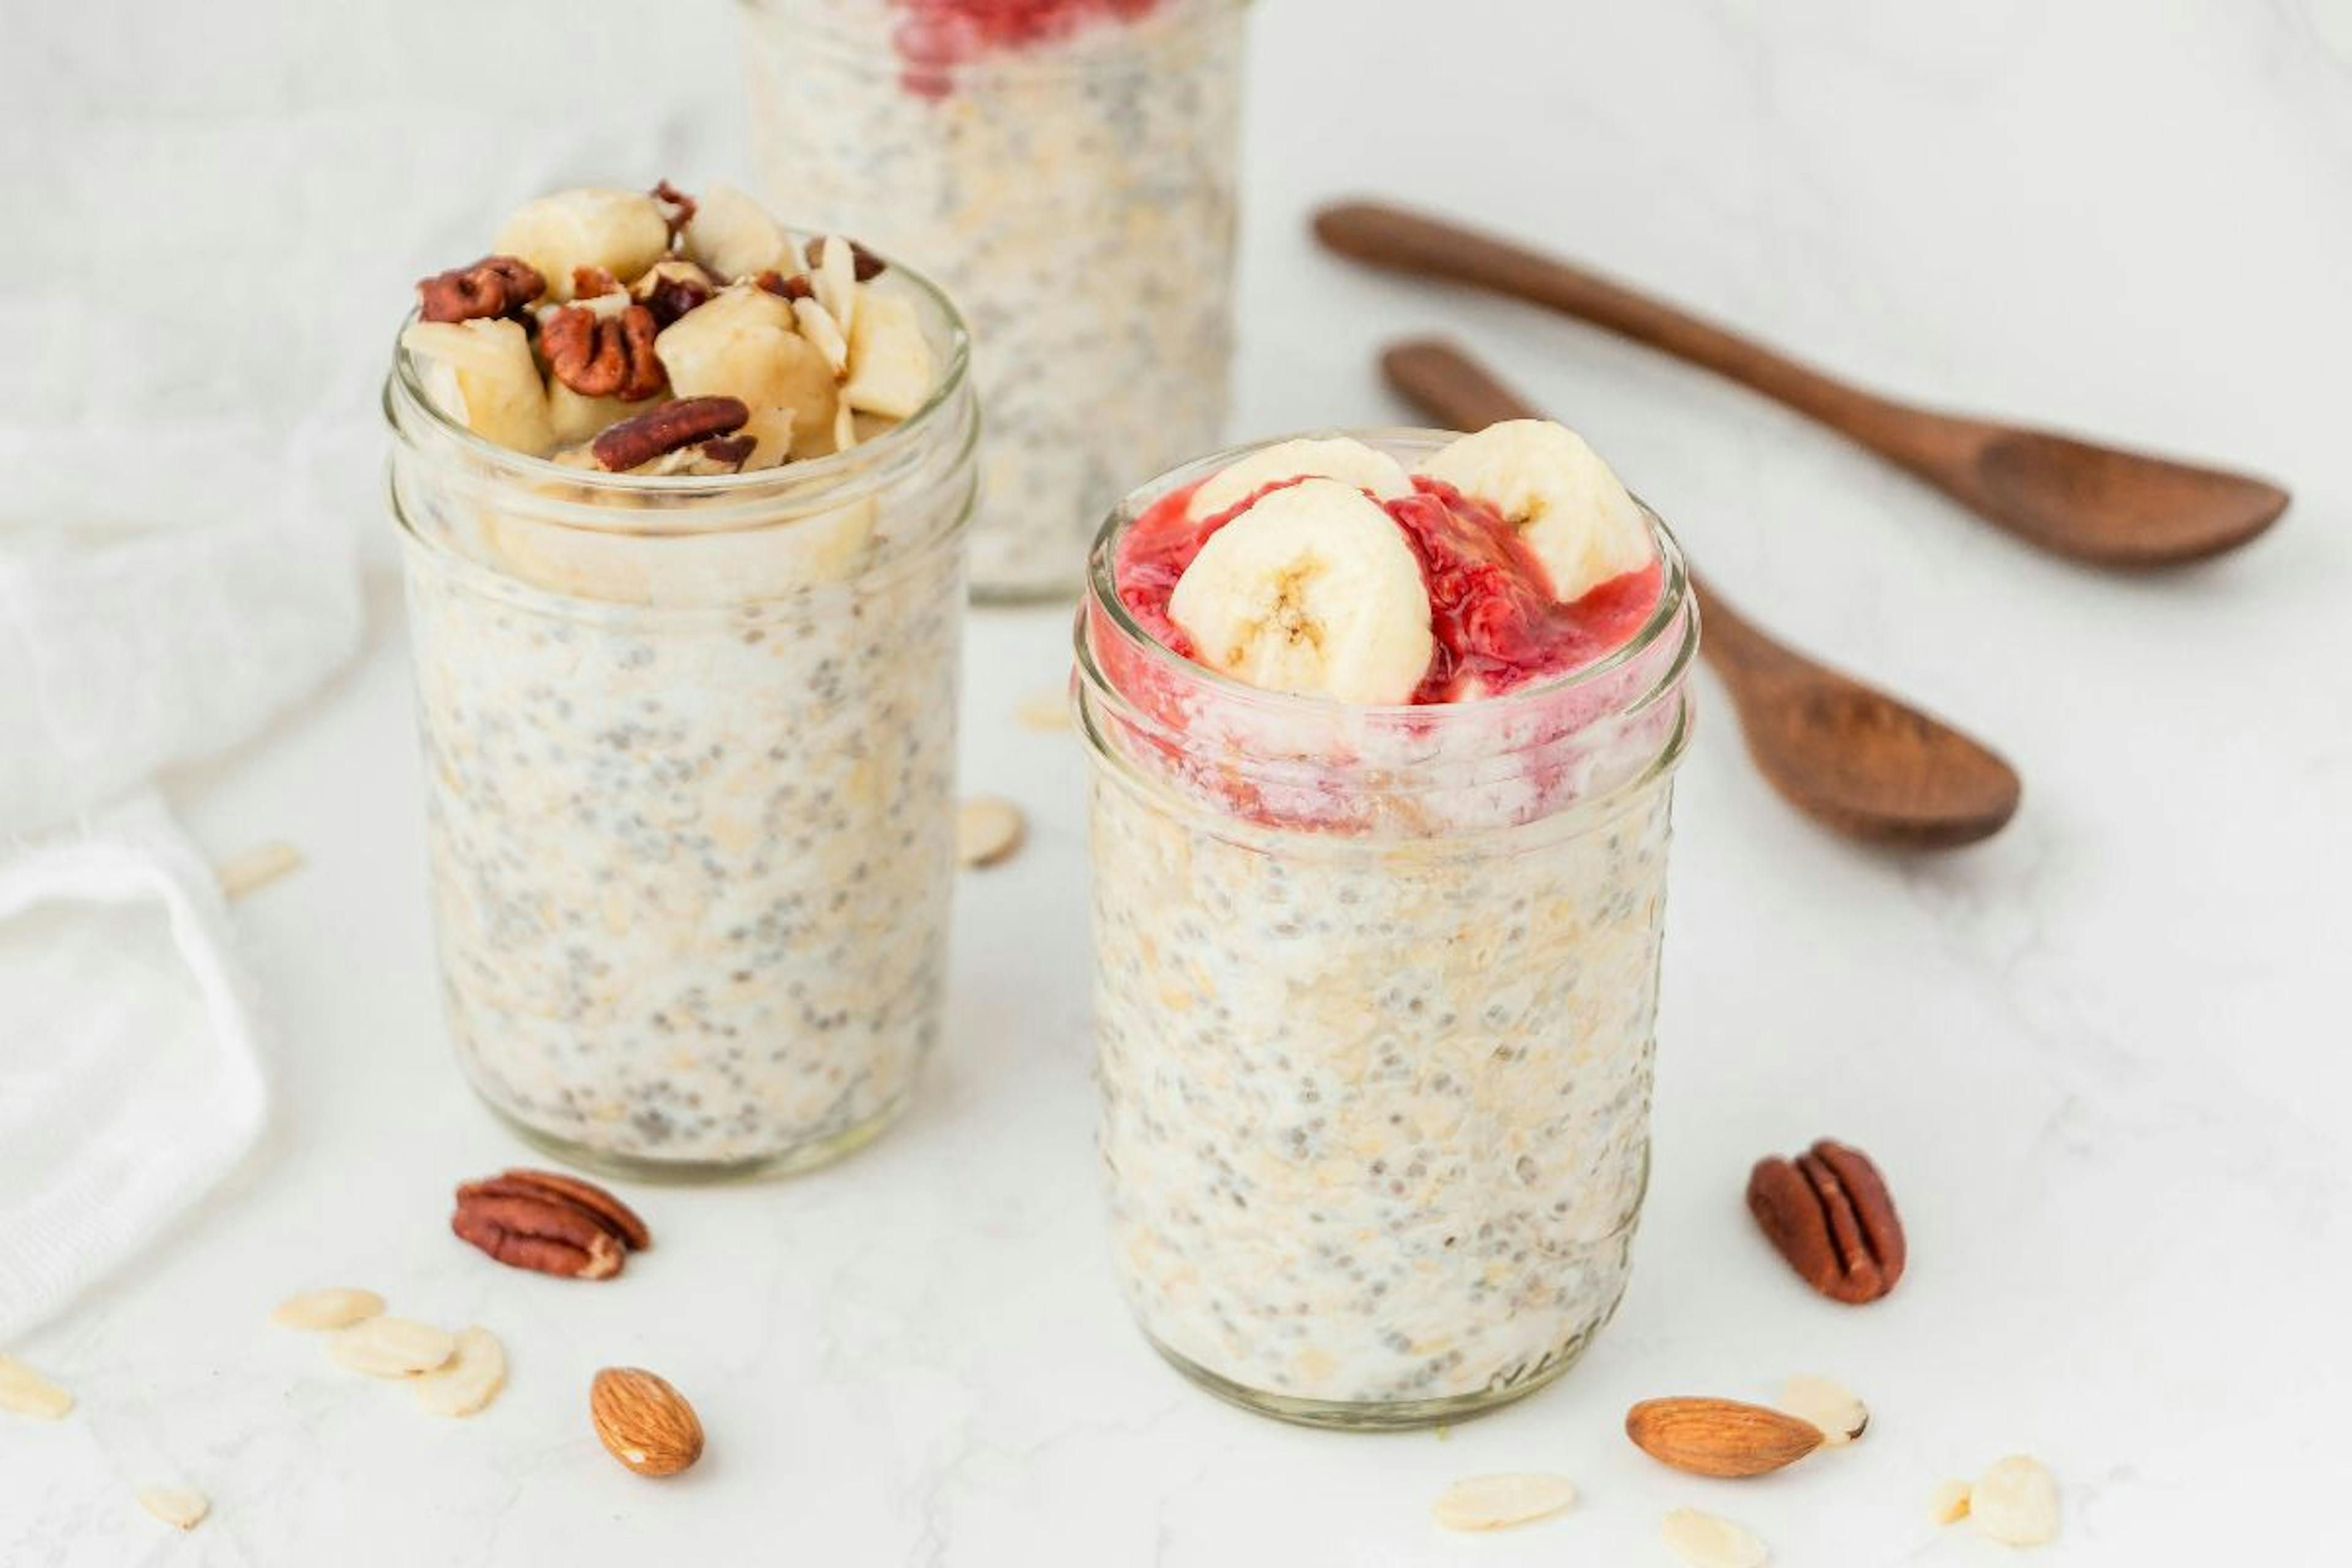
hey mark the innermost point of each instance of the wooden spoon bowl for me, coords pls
(1858, 761)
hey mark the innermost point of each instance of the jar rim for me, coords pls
(828, 480)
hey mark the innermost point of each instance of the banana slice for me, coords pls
(890, 367)
(1554, 488)
(742, 344)
(623, 232)
(482, 374)
(1313, 590)
(733, 235)
(1337, 458)
(573, 416)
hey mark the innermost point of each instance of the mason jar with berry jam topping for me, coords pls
(1066, 170)
(689, 757)
(1375, 992)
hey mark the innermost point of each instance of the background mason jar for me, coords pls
(1375, 996)
(689, 752)
(1073, 193)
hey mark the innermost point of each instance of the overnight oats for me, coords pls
(1383, 732)
(1066, 168)
(685, 495)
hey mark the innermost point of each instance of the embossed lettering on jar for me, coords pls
(1375, 994)
(1066, 170)
(690, 761)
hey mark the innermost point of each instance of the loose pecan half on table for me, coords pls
(1829, 1213)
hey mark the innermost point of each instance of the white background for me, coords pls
(2103, 1058)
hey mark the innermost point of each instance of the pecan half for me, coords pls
(604, 357)
(608, 1211)
(537, 1231)
(547, 1221)
(866, 266)
(494, 286)
(685, 423)
(796, 287)
(677, 207)
(1828, 1212)
(587, 283)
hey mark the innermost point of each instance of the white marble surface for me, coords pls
(2102, 1057)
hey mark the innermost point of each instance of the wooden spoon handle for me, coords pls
(1463, 394)
(1409, 242)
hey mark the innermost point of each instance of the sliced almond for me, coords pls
(1046, 709)
(835, 281)
(2016, 1501)
(1949, 1503)
(182, 1508)
(471, 1379)
(256, 868)
(817, 325)
(1497, 1502)
(28, 1392)
(1828, 1405)
(1703, 1540)
(392, 1347)
(337, 1308)
(988, 830)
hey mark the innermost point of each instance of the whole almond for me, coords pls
(1719, 1437)
(643, 1422)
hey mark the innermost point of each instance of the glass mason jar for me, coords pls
(1069, 175)
(689, 755)
(1375, 989)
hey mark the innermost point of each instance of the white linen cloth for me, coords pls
(129, 1078)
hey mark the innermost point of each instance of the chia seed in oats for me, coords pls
(1066, 169)
(1375, 996)
(688, 736)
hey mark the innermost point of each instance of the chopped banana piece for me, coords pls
(620, 232)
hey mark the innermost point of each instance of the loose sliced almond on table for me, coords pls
(1828, 1405)
(1046, 709)
(1719, 1436)
(471, 1379)
(337, 1308)
(2016, 1501)
(256, 868)
(988, 830)
(28, 1392)
(1703, 1540)
(392, 1347)
(182, 1508)
(1949, 1503)
(1497, 1502)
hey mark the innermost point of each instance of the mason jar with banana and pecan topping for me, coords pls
(684, 498)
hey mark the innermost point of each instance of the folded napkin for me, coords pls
(130, 1081)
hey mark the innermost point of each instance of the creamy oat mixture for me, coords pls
(690, 729)
(1377, 980)
(1065, 168)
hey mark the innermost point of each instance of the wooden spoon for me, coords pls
(1850, 756)
(2098, 504)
